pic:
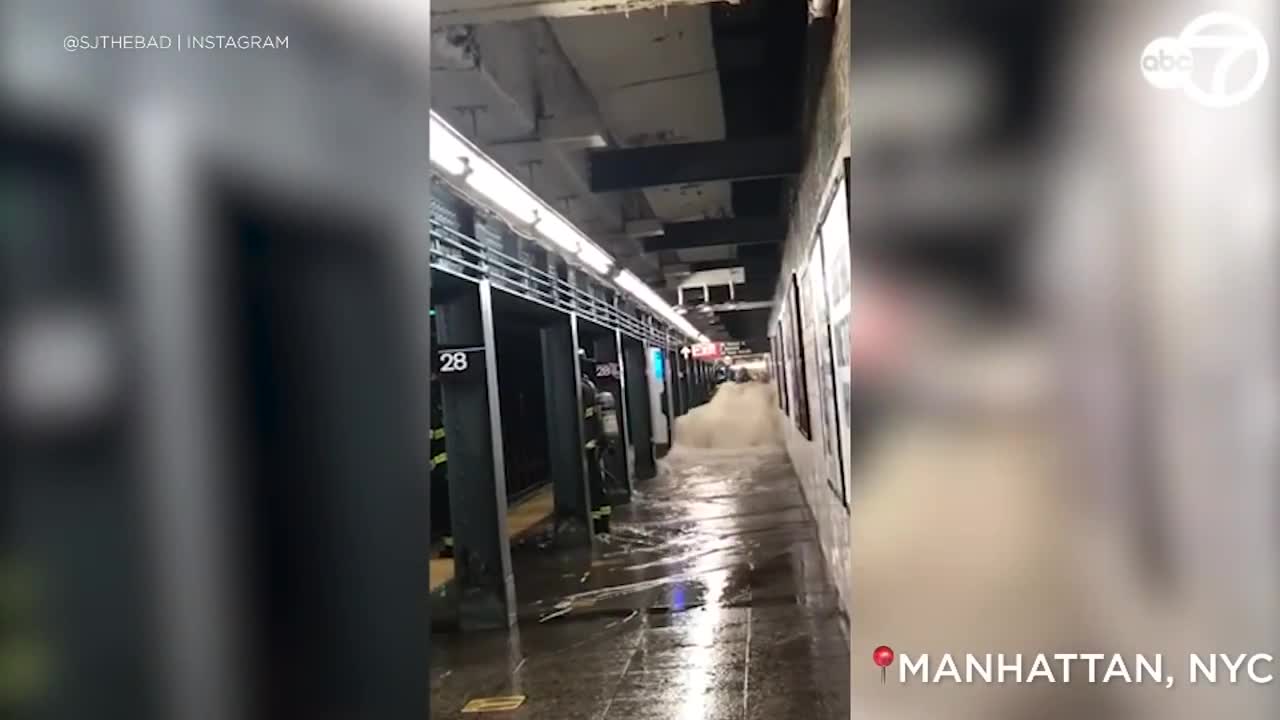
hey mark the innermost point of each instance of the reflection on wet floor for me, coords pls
(708, 601)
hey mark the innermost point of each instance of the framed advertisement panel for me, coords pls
(829, 429)
(799, 368)
(775, 360)
(785, 358)
(835, 239)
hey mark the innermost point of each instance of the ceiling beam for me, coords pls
(728, 231)
(738, 306)
(758, 284)
(740, 51)
(753, 266)
(749, 326)
(658, 165)
(459, 12)
(758, 290)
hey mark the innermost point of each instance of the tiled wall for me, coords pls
(823, 165)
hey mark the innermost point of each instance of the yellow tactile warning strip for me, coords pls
(522, 518)
(493, 704)
(530, 513)
(441, 572)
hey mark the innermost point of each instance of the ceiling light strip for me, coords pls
(455, 156)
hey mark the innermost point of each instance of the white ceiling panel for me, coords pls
(653, 75)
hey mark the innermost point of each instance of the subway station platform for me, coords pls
(707, 600)
(523, 517)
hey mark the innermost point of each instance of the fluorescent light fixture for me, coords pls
(642, 292)
(552, 227)
(454, 155)
(490, 181)
(629, 282)
(632, 284)
(449, 152)
(643, 228)
(595, 258)
(687, 328)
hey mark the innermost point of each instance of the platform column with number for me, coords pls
(467, 368)
(608, 378)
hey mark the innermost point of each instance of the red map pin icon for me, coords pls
(883, 657)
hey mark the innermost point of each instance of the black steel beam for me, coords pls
(760, 251)
(741, 50)
(564, 443)
(754, 267)
(756, 289)
(636, 168)
(748, 324)
(705, 233)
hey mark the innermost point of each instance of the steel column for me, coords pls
(701, 375)
(673, 389)
(477, 478)
(564, 436)
(640, 413)
(585, 486)
(606, 351)
(624, 413)
(678, 384)
(695, 384)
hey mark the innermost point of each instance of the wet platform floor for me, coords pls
(709, 600)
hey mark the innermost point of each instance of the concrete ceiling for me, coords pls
(655, 81)
(552, 80)
(486, 11)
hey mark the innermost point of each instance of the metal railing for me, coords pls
(463, 256)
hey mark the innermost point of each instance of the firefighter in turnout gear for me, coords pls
(594, 446)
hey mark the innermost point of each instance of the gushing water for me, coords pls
(738, 416)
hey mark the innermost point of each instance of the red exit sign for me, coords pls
(703, 351)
